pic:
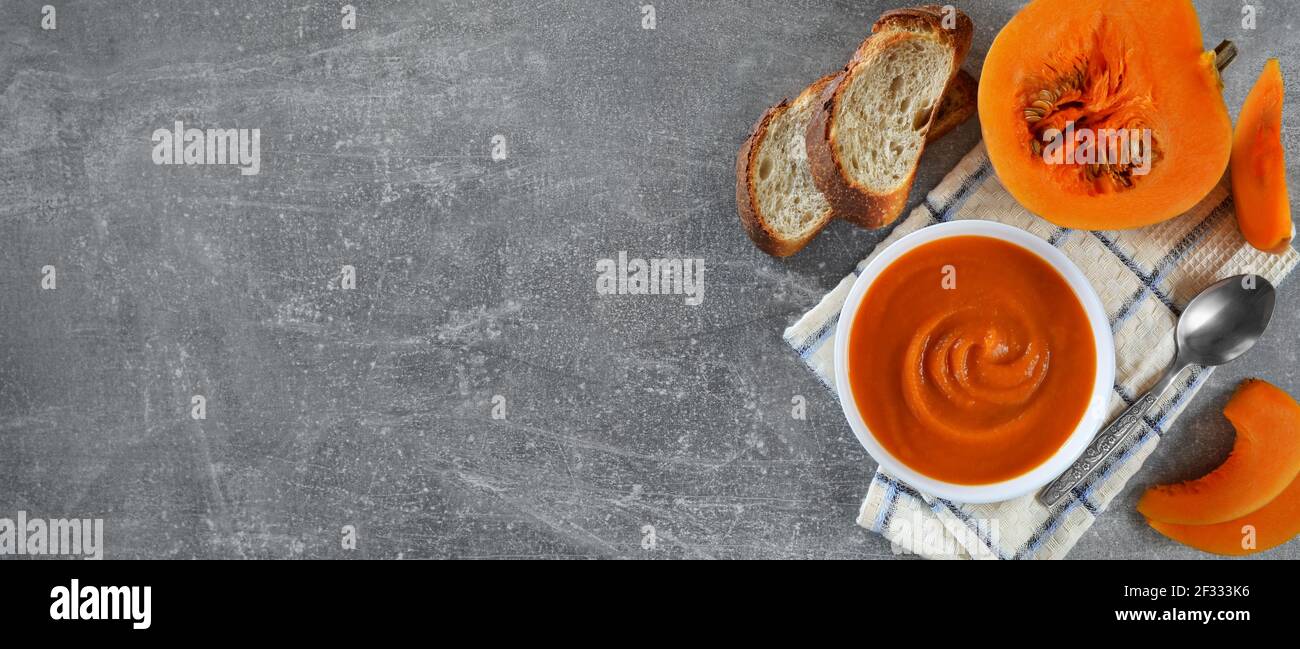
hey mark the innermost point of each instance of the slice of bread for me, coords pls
(958, 105)
(779, 204)
(780, 207)
(866, 138)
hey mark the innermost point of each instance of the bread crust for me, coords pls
(927, 18)
(747, 205)
(850, 201)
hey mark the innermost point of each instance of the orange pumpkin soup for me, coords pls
(971, 360)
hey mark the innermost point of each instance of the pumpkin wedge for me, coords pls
(1265, 460)
(1265, 528)
(1104, 114)
(1259, 166)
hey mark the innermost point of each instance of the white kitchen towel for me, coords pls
(1143, 276)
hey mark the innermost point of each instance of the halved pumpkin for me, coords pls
(1259, 166)
(1265, 528)
(1084, 71)
(1265, 460)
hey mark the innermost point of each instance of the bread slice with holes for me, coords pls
(780, 207)
(868, 133)
(779, 204)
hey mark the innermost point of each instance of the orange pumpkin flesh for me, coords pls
(1259, 166)
(1272, 525)
(1104, 64)
(1265, 460)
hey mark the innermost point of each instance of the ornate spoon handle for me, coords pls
(1105, 443)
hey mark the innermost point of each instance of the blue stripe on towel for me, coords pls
(1147, 281)
(1123, 394)
(1194, 378)
(1163, 267)
(963, 192)
(818, 337)
(965, 518)
(1128, 399)
(1085, 499)
(887, 510)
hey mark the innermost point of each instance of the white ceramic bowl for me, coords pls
(1093, 418)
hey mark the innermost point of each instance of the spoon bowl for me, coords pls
(1223, 321)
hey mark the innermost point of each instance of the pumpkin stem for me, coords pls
(1224, 54)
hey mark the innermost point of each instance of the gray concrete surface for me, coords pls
(372, 407)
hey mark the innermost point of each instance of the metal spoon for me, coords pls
(1221, 323)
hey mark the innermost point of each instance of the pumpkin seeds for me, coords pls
(1070, 86)
(1046, 101)
(1121, 177)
